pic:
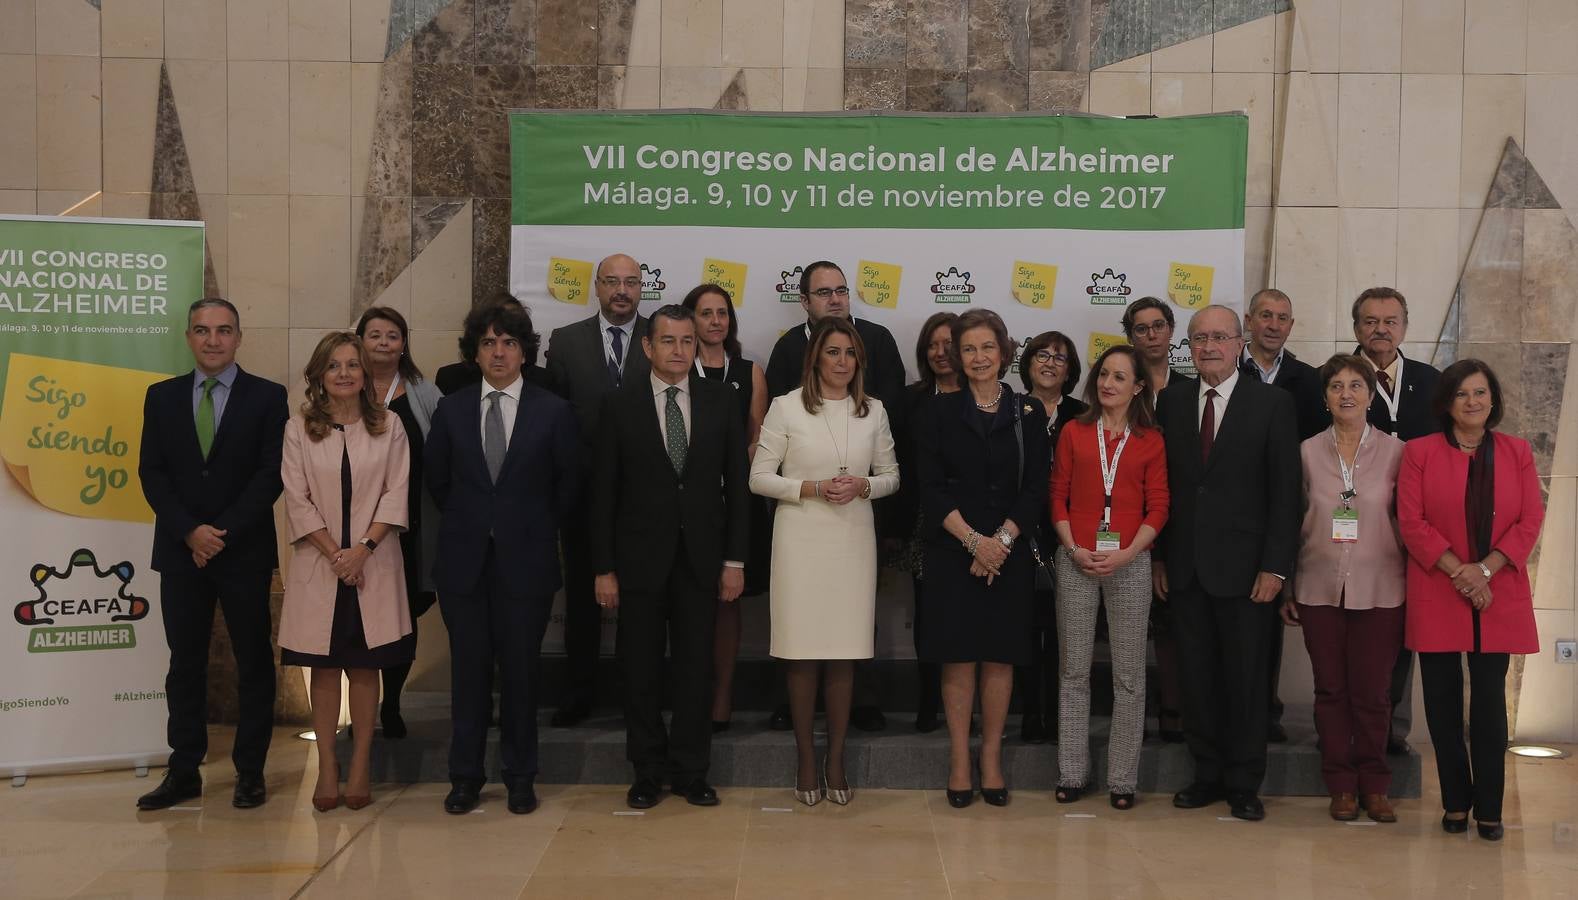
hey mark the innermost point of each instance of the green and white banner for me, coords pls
(92, 311)
(1055, 222)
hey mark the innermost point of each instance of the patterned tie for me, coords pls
(616, 363)
(205, 417)
(493, 436)
(1385, 381)
(1208, 424)
(674, 429)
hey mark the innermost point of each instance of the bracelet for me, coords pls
(1005, 538)
(816, 487)
(971, 541)
(865, 494)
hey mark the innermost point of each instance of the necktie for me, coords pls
(616, 363)
(674, 430)
(1208, 424)
(493, 436)
(1384, 380)
(205, 417)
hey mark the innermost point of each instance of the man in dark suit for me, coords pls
(1231, 539)
(1401, 408)
(671, 519)
(1268, 322)
(465, 372)
(586, 361)
(825, 292)
(500, 461)
(211, 442)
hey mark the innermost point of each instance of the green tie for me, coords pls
(674, 430)
(205, 416)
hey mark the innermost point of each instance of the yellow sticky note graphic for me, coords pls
(1034, 283)
(71, 435)
(878, 284)
(1098, 345)
(728, 275)
(569, 280)
(1189, 286)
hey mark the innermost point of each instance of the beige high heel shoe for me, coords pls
(842, 795)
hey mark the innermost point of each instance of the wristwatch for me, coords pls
(369, 543)
(1484, 568)
(1004, 538)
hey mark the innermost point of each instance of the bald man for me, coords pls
(587, 360)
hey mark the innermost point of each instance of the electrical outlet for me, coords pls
(1567, 651)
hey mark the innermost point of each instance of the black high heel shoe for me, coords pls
(1121, 801)
(961, 799)
(1454, 826)
(992, 796)
(1489, 831)
(1069, 793)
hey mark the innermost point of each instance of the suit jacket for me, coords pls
(234, 489)
(642, 514)
(578, 371)
(1237, 513)
(1302, 380)
(466, 373)
(884, 378)
(536, 489)
(1414, 418)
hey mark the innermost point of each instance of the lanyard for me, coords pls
(1393, 398)
(1109, 474)
(393, 386)
(1348, 472)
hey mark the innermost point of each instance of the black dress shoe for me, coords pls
(995, 796)
(1454, 826)
(960, 799)
(926, 722)
(1197, 795)
(1246, 806)
(720, 727)
(175, 788)
(523, 798)
(462, 798)
(1276, 734)
(250, 791)
(644, 794)
(868, 718)
(1396, 746)
(697, 792)
(1490, 832)
(1032, 729)
(780, 719)
(570, 715)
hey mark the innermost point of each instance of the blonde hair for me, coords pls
(315, 412)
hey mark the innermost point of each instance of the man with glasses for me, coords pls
(1231, 539)
(587, 360)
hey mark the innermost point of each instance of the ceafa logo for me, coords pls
(788, 287)
(652, 284)
(81, 607)
(953, 286)
(1107, 289)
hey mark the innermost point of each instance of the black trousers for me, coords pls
(1037, 683)
(1274, 667)
(583, 618)
(928, 676)
(1223, 649)
(1473, 777)
(682, 617)
(488, 628)
(187, 604)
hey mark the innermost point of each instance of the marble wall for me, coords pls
(347, 152)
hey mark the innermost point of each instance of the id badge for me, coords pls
(1344, 525)
(1108, 541)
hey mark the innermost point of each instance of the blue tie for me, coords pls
(616, 363)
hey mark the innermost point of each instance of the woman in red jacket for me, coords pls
(1469, 509)
(1109, 500)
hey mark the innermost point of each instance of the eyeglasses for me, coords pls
(612, 282)
(1147, 330)
(1047, 356)
(1215, 337)
(824, 293)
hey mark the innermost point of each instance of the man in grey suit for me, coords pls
(587, 360)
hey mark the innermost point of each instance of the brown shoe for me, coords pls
(1379, 808)
(1344, 807)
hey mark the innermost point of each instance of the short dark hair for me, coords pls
(805, 275)
(674, 312)
(1142, 414)
(1140, 306)
(928, 378)
(504, 319)
(408, 369)
(500, 298)
(1452, 378)
(1041, 342)
(981, 318)
(208, 302)
(731, 339)
(1380, 293)
(1344, 362)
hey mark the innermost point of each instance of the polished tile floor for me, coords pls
(79, 836)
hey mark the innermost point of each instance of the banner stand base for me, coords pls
(18, 780)
(141, 771)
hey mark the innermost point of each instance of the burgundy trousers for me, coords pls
(1352, 652)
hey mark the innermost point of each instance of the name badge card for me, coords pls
(1344, 525)
(1108, 541)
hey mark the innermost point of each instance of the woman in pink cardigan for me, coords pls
(345, 608)
(1469, 508)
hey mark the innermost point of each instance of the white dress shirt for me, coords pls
(1223, 391)
(629, 329)
(508, 405)
(660, 400)
(1267, 376)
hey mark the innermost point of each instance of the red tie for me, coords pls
(1208, 424)
(1385, 380)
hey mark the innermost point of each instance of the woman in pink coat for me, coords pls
(1469, 509)
(345, 609)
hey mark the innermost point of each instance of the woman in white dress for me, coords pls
(825, 453)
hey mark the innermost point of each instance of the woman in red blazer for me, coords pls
(1469, 509)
